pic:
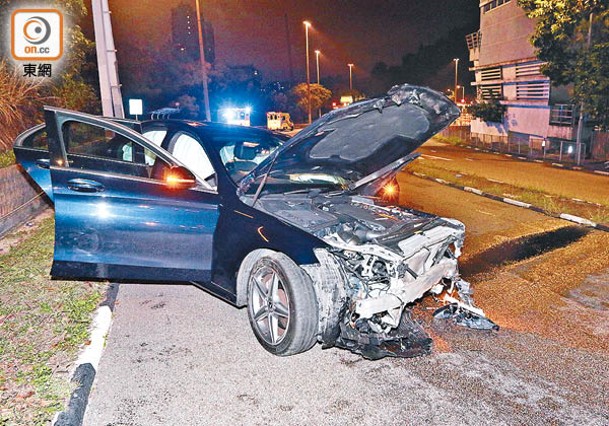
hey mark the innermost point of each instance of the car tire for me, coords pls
(281, 305)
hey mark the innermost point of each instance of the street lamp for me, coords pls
(307, 25)
(350, 76)
(462, 92)
(456, 61)
(317, 53)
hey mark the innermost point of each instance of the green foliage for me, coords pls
(7, 158)
(560, 38)
(22, 98)
(319, 96)
(490, 111)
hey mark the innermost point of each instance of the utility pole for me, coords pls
(317, 53)
(307, 24)
(107, 66)
(287, 37)
(203, 64)
(456, 60)
(580, 123)
(350, 76)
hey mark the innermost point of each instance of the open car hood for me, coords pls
(363, 138)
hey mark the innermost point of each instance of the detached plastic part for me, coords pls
(408, 340)
(463, 316)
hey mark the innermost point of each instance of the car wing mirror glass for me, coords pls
(178, 177)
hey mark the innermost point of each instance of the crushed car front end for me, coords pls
(379, 262)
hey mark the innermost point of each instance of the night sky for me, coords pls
(253, 31)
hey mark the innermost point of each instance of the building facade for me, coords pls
(507, 69)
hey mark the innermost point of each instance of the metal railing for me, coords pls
(562, 115)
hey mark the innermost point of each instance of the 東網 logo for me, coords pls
(36, 34)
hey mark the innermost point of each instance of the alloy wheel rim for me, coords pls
(270, 305)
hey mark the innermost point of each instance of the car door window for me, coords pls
(37, 140)
(190, 153)
(156, 137)
(93, 147)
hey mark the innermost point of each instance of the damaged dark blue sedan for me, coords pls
(289, 228)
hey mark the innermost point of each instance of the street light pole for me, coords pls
(203, 65)
(307, 24)
(456, 61)
(350, 76)
(317, 53)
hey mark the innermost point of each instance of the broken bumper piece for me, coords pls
(465, 317)
(408, 340)
(462, 310)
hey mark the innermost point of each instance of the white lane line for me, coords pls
(469, 159)
(435, 157)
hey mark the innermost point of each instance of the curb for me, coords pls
(536, 160)
(565, 216)
(88, 362)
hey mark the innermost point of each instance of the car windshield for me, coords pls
(241, 152)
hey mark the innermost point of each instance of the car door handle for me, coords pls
(85, 185)
(43, 163)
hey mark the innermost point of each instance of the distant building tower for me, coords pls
(507, 69)
(184, 33)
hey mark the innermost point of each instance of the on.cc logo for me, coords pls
(37, 34)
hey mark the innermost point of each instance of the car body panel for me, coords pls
(34, 158)
(113, 225)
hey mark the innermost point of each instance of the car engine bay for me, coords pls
(381, 261)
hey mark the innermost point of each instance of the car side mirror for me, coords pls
(178, 177)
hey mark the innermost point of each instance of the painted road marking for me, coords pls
(435, 157)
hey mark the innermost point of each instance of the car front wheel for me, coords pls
(281, 305)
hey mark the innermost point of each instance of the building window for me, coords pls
(490, 91)
(490, 74)
(562, 115)
(533, 90)
(493, 4)
(527, 70)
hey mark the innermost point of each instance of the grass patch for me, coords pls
(7, 158)
(452, 140)
(43, 323)
(535, 196)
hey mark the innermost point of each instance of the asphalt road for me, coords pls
(551, 180)
(178, 356)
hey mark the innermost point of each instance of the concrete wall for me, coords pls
(530, 119)
(506, 31)
(20, 198)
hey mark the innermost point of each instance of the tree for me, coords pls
(489, 111)
(319, 96)
(560, 38)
